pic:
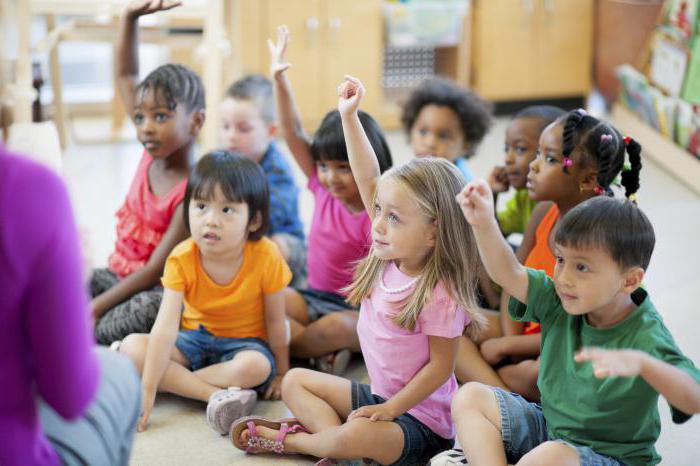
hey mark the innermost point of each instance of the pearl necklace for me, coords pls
(398, 290)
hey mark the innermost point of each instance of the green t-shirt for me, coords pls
(516, 213)
(617, 416)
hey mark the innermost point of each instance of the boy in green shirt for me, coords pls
(604, 413)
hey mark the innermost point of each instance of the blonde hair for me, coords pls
(454, 259)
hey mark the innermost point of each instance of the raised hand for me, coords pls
(498, 180)
(350, 93)
(277, 50)
(476, 201)
(612, 363)
(146, 7)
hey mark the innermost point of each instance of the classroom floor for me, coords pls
(99, 174)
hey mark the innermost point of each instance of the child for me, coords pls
(579, 157)
(417, 289)
(168, 110)
(443, 120)
(230, 279)
(249, 128)
(522, 139)
(323, 324)
(600, 414)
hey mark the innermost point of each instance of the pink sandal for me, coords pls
(284, 426)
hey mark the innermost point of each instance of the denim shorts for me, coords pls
(202, 349)
(523, 427)
(419, 442)
(320, 303)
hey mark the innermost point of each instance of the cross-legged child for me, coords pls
(230, 279)
(592, 310)
(417, 294)
(323, 323)
(167, 108)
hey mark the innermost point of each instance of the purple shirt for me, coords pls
(45, 340)
(337, 241)
(394, 355)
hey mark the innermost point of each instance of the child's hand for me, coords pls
(493, 350)
(380, 412)
(148, 398)
(277, 50)
(476, 201)
(146, 7)
(498, 180)
(274, 391)
(612, 363)
(350, 92)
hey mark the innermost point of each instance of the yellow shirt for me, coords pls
(235, 310)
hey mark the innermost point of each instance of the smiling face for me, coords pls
(437, 131)
(219, 226)
(522, 140)
(400, 230)
(336, 177)
(160, 129)
(243, 128)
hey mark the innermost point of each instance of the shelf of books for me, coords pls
(660, 104)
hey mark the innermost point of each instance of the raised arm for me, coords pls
(127, 48)
(287, 113)
(363, 160)
(476, 201)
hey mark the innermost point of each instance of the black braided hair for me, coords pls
(630, 178)
(601, 144)
(176, 84)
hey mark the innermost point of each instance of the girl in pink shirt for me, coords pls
(322, 322)
(417, 295)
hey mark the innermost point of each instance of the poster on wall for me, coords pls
(669, 60)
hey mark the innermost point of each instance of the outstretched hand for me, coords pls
(146, 7)
(277, 51)
(612, 363)
(476, 201)
(350, 93)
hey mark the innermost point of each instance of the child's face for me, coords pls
(162, 131)
(336, 177)
(218, 226)
(437, 131)
(400, 231)
(243, 130)
(589, 281)
(522, 140)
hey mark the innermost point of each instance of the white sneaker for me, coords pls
(454, 457)
(227, 406)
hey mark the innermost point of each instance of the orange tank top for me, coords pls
(541, 256)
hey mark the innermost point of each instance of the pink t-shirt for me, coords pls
(142, 221)
(394, 355)
(337, 241)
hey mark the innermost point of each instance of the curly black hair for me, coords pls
(176, 84)
(474, 112)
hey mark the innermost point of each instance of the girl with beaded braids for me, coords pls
(167, 108)
(579, 157)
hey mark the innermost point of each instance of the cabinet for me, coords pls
(528, 49)
(328, 39)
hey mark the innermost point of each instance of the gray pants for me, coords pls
(135, 315)
(104, 434)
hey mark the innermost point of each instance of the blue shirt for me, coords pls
(463, 166)
(284, 194)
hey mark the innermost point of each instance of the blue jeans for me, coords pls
(523, 427)
(202, 349)
(419, 442)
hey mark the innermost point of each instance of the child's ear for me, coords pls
(432, 234)
(255, 223)
(633, 279)
(196, 122)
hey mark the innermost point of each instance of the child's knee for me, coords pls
(253, 363)
(294, 379)
(338, 326)
(472, 395)
(134, 346)
(551, 454)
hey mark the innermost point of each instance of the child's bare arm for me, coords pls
(677, 386)
(160, 345)
(127, 48)
(287, 113)
(149, 275)
(443, 354)
(363, 160)
(476, 201)
(495, 349)
(275, 321)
